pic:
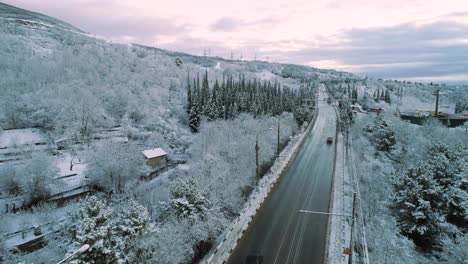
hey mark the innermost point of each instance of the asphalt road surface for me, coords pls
(279, 232)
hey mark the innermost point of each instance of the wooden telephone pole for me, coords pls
(278, 143)
(257, 148)
(350, 259)
(437, 103)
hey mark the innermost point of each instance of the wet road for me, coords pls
(279, 232)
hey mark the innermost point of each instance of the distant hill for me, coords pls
(48, 66)
(26, 17)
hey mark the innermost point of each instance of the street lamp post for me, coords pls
(82, 249)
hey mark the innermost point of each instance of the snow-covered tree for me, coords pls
(461, 107)
(109, 234)
(417, 199)
(187, 201)
(38, 172)
(95, 229)
(132, 220)
(434, 191)
(457, 203)
(128, 225)
(233, 97)
(194, 119)
(10, 179)
(387, 97)
(382, 133)
(114, 165)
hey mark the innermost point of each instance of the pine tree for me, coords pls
(233, 97)
(189, 95)
(457, 203)
(416, 192)
(205, 93)
(387, 96)
(383, 135)
(130, 223)
(235, 110)
(95, 229)
(355, 95)
(187, 201)
(108, 233)
(194, 119)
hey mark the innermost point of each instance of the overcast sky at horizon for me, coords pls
(404, 39)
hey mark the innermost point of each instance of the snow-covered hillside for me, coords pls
(76, 112)
(32, 19)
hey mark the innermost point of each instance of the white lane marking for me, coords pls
(314, 149)
(315, 128)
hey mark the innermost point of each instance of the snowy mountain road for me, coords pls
(279, 233)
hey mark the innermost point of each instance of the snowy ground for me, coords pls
(265, 75)
(22, 224)
(69, 179)
(16, 137)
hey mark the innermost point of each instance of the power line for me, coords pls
(361, 214)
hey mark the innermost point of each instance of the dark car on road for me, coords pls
(329, 140)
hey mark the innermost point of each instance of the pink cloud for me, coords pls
(273, 28)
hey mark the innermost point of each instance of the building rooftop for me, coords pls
(154, 153)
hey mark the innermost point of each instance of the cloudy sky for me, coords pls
(405, 39)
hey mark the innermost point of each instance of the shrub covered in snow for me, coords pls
(382, 134)
(187, 201)
(433, 192)
(109, 233)
(114, 165)
(415, 195)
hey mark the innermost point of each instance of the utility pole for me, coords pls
(257, 148)
(278, 143)
(437, 103)
(350, 259)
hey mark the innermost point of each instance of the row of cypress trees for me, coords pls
(232, 96)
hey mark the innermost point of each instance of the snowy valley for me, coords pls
(78, 115)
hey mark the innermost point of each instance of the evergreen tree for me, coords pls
(94, 229)
(434, 190)
(382, 135)
(355, 96)
(194, 119)
(189, 95)
(461, 107)
(108, 233)
(232, 97)
(387, 96)
(187, 201)
(418, 219)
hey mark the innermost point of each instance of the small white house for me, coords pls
(156, 157)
